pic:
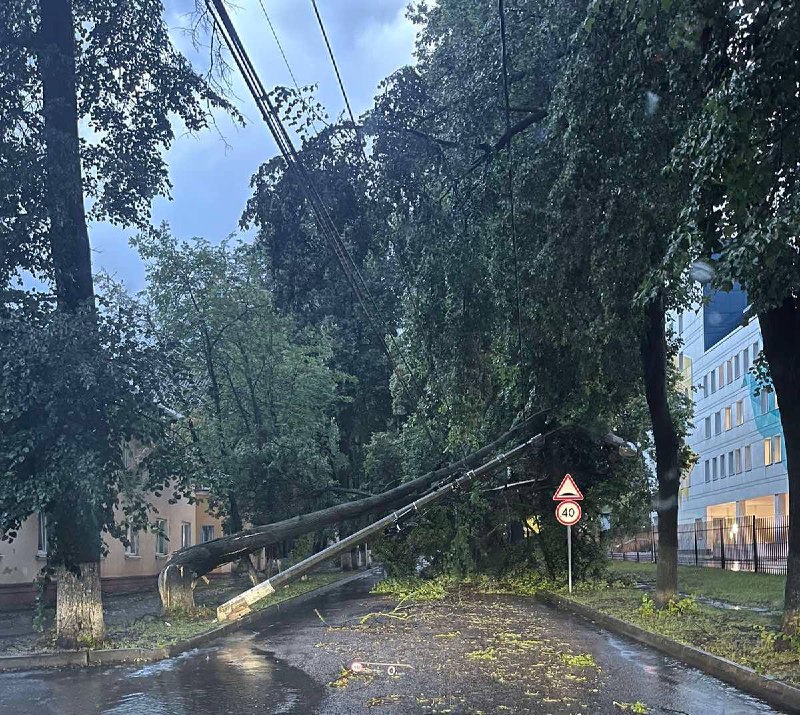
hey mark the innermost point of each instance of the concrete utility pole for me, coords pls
(240, 605)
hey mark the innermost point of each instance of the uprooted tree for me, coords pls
(177, 579)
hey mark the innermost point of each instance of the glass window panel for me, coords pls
(777, 449)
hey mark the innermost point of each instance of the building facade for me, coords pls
(123, 569)
(737, 435)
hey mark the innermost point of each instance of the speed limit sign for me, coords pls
(568, 513)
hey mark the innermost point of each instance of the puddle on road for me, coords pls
(234, 677)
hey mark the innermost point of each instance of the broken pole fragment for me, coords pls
(241, 605)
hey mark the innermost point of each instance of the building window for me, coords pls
(740, 412)
(708, 471)
(737, 373)
(705, 385)
(186, 535)
(755, 350)
(161, 537)
(132, 549)
(777, 449)
(731, 467)
(41, 541)
(713, 381)
(728, 420)
(708, 427)
(722, 472)
(714, 473)
(717, 422)
(206, 533)
(738, 462)
(748, 459)
(680, 324)
(721, 376)
(729, 372)
(767, 451)
(746, 359)
(764, 397)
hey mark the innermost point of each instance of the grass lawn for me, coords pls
(742, 636)
(736, 587)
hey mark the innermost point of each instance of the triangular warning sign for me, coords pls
(568, 490)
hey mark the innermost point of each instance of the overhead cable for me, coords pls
(294, 162)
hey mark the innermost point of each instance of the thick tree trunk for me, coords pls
(780, 330)
(79, 607)
(176, 588)
(69, 237)
(77, 531)
(202, 558)
(667, 442)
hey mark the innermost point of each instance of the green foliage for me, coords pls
(134, 89)
(675, 607)
(740, 156)
(259, 392)
(61, 375)
(414, 589)
(582, 660)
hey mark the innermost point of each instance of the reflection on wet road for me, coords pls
(235, 677)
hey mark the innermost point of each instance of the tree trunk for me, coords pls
(79, 607)
(200, 559)
(176, 588)
(667, 443)
(77, 533)
(780, 330)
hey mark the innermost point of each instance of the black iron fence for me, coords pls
(746, 543)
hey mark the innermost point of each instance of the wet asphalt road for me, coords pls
(281, 668)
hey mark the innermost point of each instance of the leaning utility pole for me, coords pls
(241, 605)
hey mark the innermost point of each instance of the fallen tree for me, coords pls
(177, 580)
(240, 605)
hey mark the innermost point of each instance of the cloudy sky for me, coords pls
(210, 176)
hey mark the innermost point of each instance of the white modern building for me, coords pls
(737, 435)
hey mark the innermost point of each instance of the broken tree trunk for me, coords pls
(176, 581)
(240, 605)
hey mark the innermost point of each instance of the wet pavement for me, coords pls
(468, 654)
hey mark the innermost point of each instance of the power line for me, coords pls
(360, 142)
(361, 145)
(512, 217)
(294, 162)
(339, 80)
(288, 66)
(278, 43)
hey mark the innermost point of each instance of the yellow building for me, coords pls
(123, 569)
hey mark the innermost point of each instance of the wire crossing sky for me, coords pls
(211, 173)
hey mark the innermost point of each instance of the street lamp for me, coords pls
(702, 272)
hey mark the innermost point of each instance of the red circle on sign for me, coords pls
(568, 513)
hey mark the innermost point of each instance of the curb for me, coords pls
(774, 691)
(116, 656)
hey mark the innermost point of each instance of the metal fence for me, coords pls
(746, 543)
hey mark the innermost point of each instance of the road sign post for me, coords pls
(569, 557)
(568, 513)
